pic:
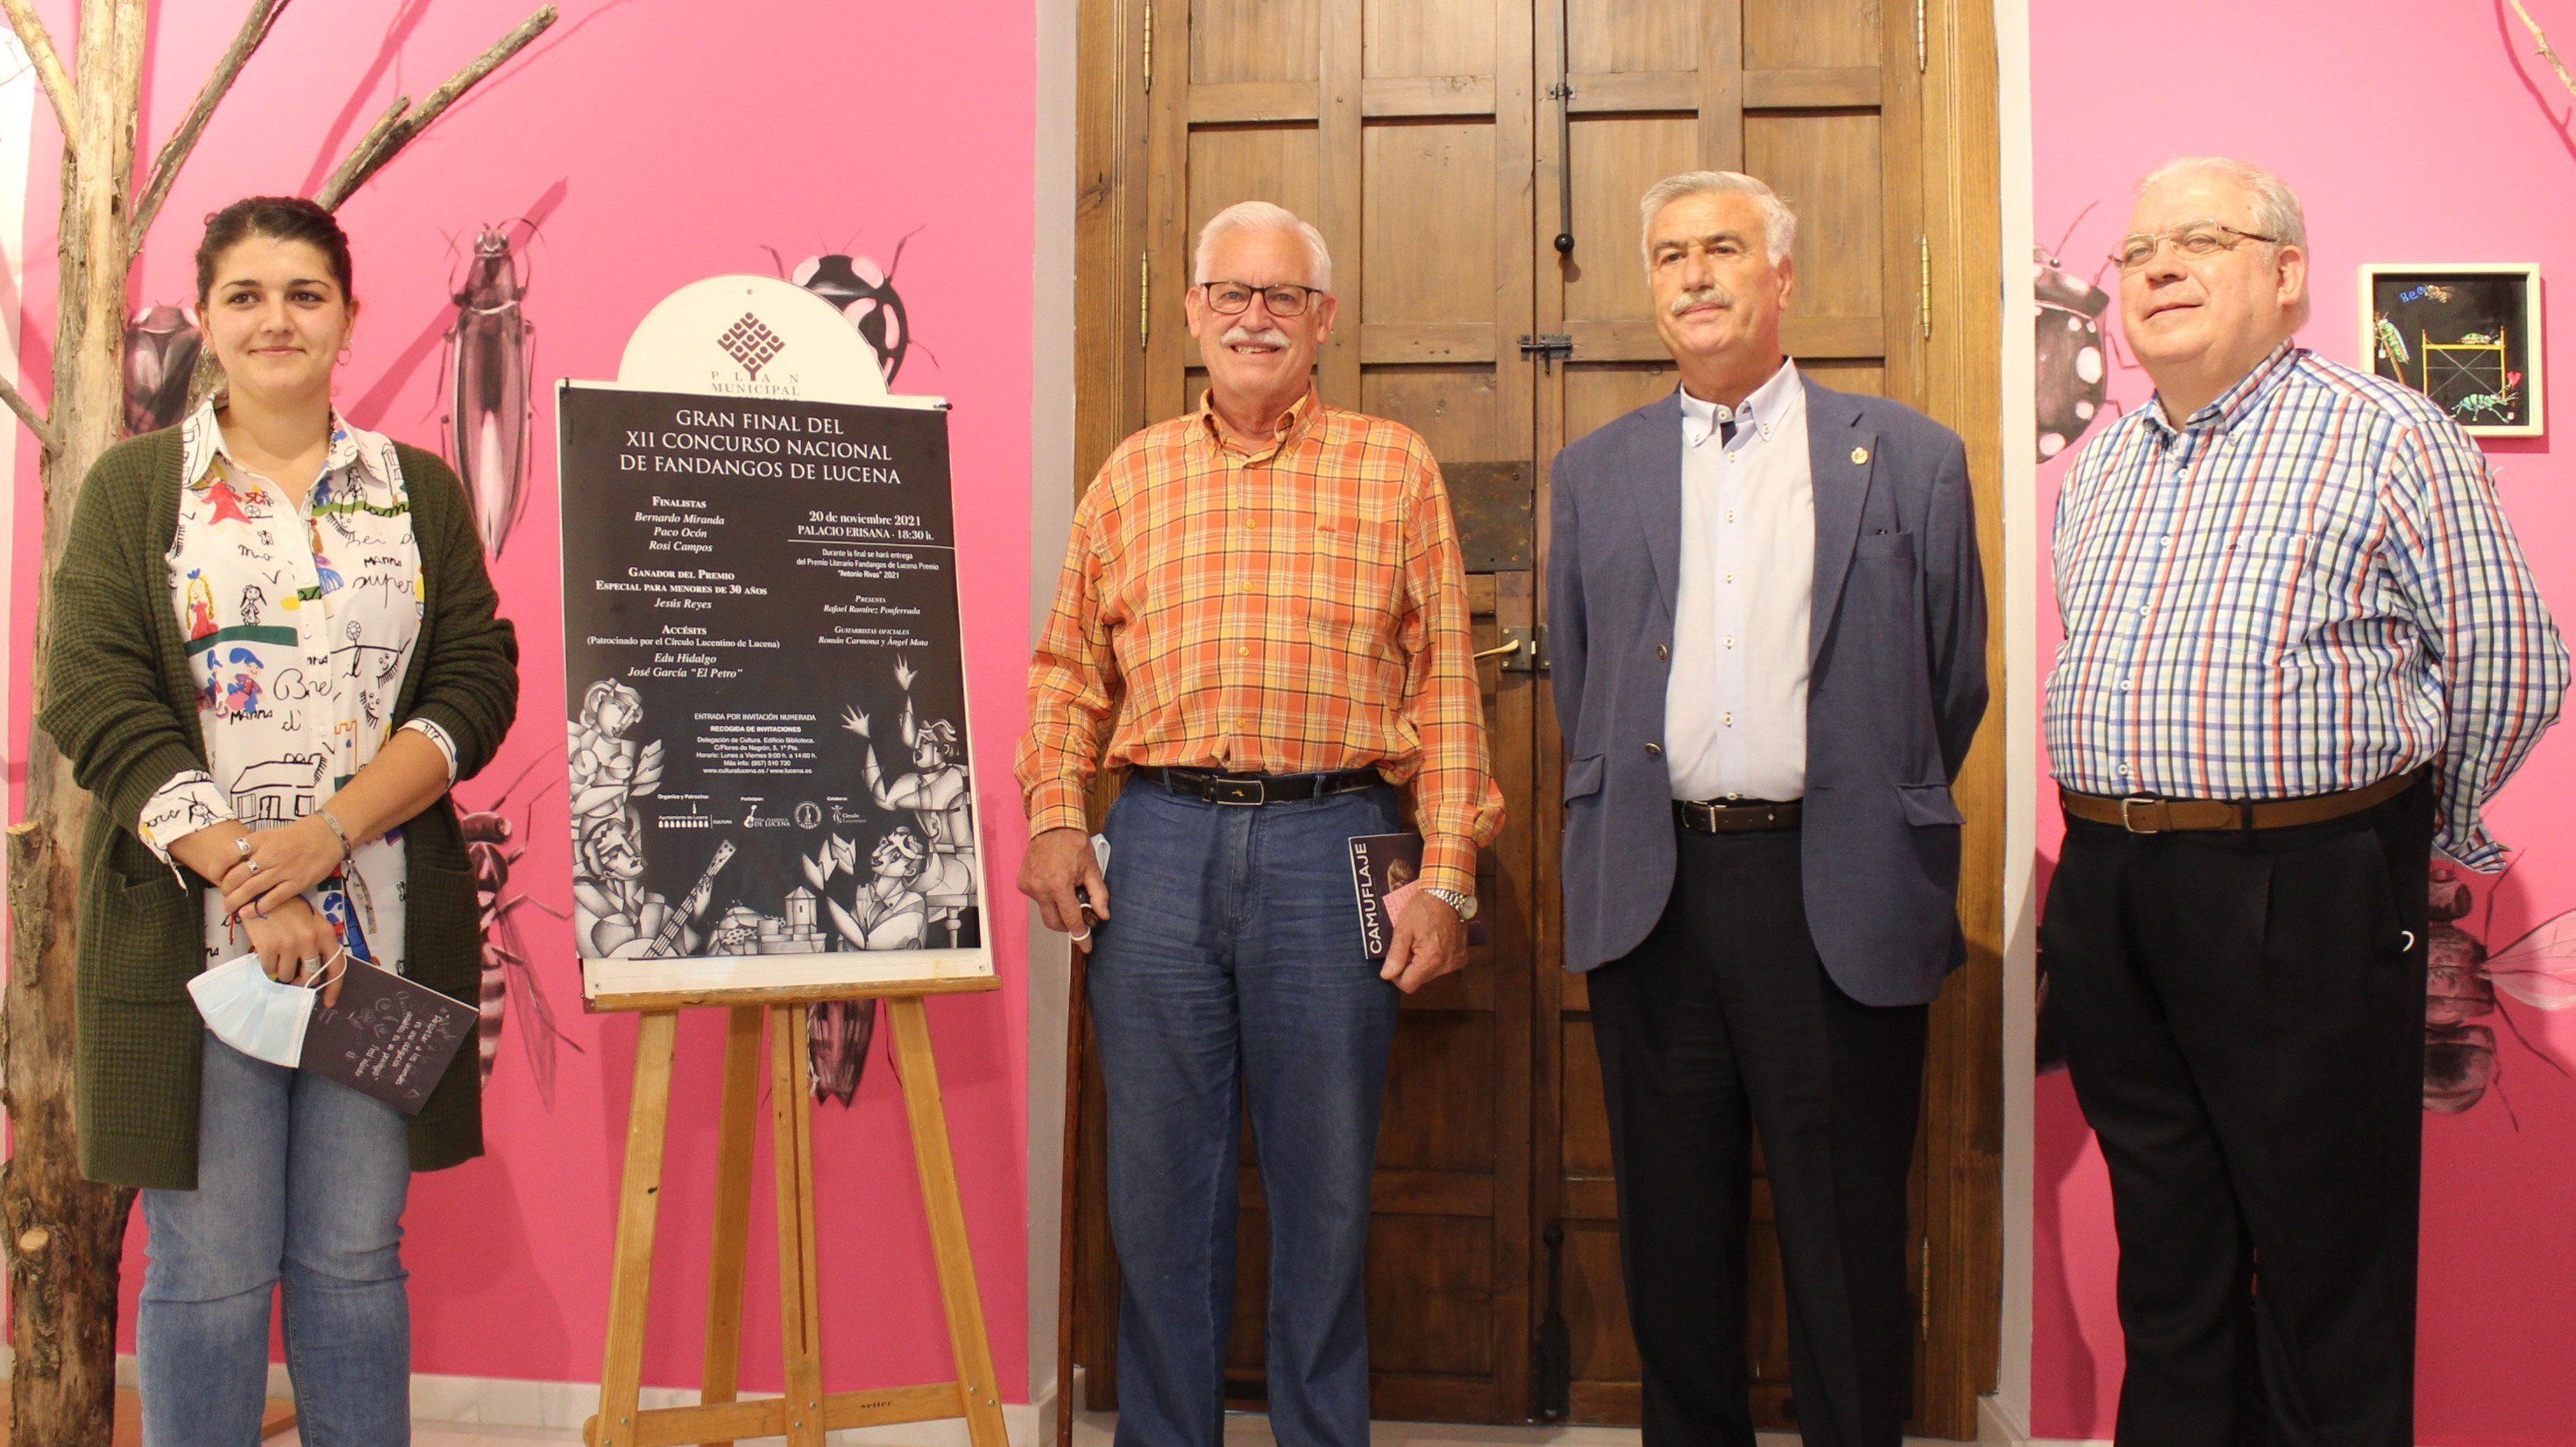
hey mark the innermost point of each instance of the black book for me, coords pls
(389, 1037)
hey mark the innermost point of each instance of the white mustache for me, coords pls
(1246, 336)
(1705, 296)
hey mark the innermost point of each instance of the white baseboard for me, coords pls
(507, 1402)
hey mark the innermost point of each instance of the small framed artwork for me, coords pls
(2466, 336)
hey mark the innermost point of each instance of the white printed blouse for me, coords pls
(300, 611)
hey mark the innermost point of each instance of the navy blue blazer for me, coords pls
(1897, 682)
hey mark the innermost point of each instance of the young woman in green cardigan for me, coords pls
(275, 649)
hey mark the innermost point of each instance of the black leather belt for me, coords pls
(1211, 787)
(1742, 816)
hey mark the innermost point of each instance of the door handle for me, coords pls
(1513, 646)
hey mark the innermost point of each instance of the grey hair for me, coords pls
(1779, 223)
(2277, 212)
(1263, 216)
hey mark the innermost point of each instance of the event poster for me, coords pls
(767, 741)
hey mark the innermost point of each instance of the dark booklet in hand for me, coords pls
(388, 1037)
(1384, 871)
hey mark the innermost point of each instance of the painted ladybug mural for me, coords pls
(2072, 373)
(863, 293)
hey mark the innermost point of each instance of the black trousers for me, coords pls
(1722, 1022)
(2244, 1022)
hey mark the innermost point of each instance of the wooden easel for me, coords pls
(806, 1412)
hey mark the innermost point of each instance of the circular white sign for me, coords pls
(751, 336)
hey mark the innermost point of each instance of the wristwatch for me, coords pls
(1463, 903)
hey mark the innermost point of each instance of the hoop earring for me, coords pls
(344, 356)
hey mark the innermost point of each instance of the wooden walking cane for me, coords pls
(1077, 1051)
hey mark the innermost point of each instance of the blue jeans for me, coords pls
(1232, 970)
(300, 1180)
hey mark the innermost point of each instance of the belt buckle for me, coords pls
(1705, 812)
(2128, 820)
(1239, 792)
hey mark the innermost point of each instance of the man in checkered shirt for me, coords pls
(2302, 650)
(1262, 621)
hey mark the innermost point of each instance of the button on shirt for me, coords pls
(1292, 605)
(2305, 588)
(1735, 703)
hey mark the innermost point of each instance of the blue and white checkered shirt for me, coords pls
(2305, 588)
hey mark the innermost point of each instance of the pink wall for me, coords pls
(2413, 133)
(660, 141)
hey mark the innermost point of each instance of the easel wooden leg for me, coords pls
(799, 1297)
(966, 1335)
(638, 1202)
(732, 1244)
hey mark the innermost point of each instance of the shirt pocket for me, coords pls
(2262, 595)
(1351, 584)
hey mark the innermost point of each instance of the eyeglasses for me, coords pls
(1229, 298)
(2197, 240)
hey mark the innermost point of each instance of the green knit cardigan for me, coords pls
(122, 705)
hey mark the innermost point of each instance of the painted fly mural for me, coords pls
(511, 987)
(2466, 984)
(162, 344)
(490, 357)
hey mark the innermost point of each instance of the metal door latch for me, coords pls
(1549, 349)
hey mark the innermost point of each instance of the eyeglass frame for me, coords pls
(2174, 235)
(1207, 293)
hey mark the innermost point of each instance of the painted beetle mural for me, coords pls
(162, 344)
(864, 293)
(509, 984)
(2072, 375)
(489, 355)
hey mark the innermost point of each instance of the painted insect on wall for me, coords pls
(161, 347)
(837, 1033)
(864, 293)
(490, 353)
(493, 848)
(2073, 376)
(2462, 987)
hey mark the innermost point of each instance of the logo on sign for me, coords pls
(752, 344)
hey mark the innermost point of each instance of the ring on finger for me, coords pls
(311, 966)
(256, 866)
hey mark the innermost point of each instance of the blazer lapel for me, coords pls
(1654, 484)
(1840, 453)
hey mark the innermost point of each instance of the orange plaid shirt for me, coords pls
(1294, 608)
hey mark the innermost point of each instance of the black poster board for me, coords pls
(767, 737)
(2466, 336)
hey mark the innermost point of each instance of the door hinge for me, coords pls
(1923, 275)
(1523, 650)
(1922, 45)
(1144, 297)
(1927, 1289)
(1549, 349)
(1149, 47)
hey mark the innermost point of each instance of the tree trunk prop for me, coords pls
(64, 1235)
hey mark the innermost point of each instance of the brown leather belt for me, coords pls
(2146, 814)
(1745, 816)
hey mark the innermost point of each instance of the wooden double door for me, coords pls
(1475, 166)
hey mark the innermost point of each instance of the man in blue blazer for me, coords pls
(1768, 626)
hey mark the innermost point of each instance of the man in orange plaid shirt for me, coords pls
(1266, 595)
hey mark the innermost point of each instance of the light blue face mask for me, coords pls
(254, 1014)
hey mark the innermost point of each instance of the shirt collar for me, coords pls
(2233, 405)
(1763, 412)
(202, 441)
(1291, 422)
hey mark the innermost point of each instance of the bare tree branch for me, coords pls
(398, 125)
(2542, 41)
(174, 152)
(49, 65)
(36, 421)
